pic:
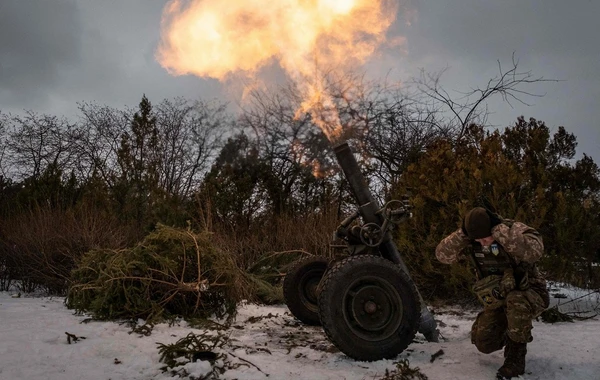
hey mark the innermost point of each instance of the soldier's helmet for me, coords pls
(477, 223)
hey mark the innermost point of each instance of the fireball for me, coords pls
(219, 38)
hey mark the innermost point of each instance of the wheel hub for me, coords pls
(311, 289)
(308, 286)
(372, 308)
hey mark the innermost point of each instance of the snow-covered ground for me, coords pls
(266, 342)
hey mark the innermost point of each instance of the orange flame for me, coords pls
(216, 38)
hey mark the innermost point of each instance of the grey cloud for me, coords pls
(116, 62)
(551, 38)
(103, 51)
(39, 42)
(485, 27)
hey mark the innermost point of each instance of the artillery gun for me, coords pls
(367, 303)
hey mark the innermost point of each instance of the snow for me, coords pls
(266, 342)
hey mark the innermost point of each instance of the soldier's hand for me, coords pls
(508, 283)
(495, 219)
(524, 282)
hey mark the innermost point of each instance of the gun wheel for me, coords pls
(300, 288)
(369, 308)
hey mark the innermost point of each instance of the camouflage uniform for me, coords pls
(521, 246)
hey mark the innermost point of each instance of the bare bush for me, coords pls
(43, 245)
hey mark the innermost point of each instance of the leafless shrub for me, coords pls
(43, 245)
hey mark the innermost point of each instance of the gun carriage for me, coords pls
(367, 303)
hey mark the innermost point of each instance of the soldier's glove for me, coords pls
(494, 218)
(508, 283)
(524, 282)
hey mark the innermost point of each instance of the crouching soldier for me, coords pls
(509, 285)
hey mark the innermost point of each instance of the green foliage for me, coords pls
(191, 348)
(171, 272)
(404, 372)
(250, 184)
(233, 186)
(138, 157)
(524, 174)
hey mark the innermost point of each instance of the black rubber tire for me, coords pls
(369, 308)
(300, 288)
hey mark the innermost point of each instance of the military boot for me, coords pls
(514, 362)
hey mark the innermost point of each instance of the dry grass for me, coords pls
(42, 246)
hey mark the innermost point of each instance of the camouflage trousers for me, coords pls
(492, 326)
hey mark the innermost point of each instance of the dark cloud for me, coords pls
(56, 53)
(484, 29)
(551, 38)
(39, 42)
(120, 42)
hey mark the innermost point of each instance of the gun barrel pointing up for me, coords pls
(368, 208)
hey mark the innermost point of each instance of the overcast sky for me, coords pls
(55, 53)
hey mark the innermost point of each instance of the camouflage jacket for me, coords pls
(522, 243)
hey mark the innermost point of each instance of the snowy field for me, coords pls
(266, 342)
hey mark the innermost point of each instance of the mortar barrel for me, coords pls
(368, 208)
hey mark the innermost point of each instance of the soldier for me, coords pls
(509, 285)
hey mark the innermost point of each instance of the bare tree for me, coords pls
(189, 136)
(400, 130)
(37, 141)
(3, 143)
(470, 107)
(99, 137)
(293, 152)
(401, 121)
